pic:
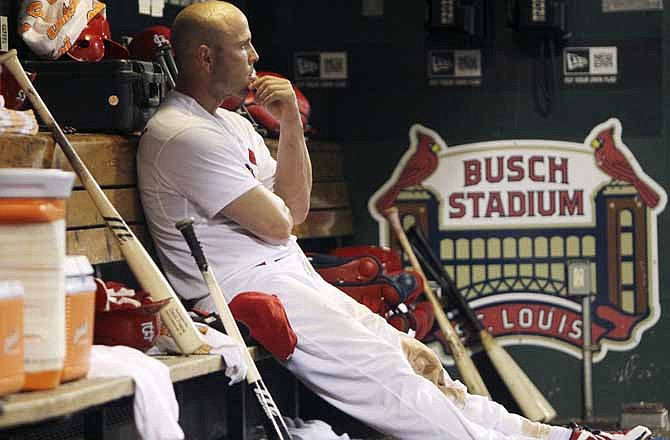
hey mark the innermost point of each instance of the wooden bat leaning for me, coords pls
(275, 427)
(173, 314)
(530, 400)
(466, 367)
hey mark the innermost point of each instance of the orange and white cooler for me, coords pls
(11, 337)
(79, 315)
(32, 233)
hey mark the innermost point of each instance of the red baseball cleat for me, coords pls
(637, 433)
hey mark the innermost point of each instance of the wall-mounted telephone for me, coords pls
(543, 25)
(544, 18)
(457, 16)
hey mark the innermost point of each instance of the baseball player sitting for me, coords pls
(198, 160)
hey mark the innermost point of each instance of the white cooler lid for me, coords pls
(78, 275)
(10, 289)
(35, 182)
(77, 266)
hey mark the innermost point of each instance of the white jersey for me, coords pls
(191, 163)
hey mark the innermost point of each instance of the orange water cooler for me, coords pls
(32, 233)
(12, 376)
(79, 315)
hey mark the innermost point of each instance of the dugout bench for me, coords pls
(101, 409)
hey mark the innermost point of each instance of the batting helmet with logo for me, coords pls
(146, 43)
(125, 317)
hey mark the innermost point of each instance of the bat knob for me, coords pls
(6, 56)
(184, 223)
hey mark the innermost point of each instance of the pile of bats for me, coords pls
(530, 400)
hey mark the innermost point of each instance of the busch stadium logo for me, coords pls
(507, 218)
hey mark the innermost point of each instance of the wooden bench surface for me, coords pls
(111, 160)
(37, 406)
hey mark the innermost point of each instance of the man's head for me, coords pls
(212, 45)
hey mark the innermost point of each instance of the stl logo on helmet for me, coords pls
(509, 218)
(160, 40)
(148, 330)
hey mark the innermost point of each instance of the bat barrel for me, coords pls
(464, 363)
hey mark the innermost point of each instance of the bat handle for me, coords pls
(11, 61)
(185, 226)
(434, 268)
(6, 56)
(275, 427)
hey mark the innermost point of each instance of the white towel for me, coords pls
(231, 351)
(312, 430)
(155, 406)
(228, 348)
(15, 121)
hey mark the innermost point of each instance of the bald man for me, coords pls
(198, 160)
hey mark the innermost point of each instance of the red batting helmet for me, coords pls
(390, 258)
(145, 44)
(232, 103)
(265, 316)
(134, 322)
(95, 42)
(137, 328)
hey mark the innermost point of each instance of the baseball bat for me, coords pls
(173, 314)
(274, 425)
(466, 367)
(530, 400)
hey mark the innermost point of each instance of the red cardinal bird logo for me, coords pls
(613, 162)
(419, 166)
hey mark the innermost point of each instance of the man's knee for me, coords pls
(425, 363)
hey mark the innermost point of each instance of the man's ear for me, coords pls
(204, 58)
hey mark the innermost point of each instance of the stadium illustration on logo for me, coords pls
(507, 219)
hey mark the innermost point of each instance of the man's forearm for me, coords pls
(293, 179)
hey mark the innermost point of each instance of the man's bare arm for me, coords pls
(293, 177)
(262, 213)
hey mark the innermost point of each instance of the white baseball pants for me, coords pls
(352, 358)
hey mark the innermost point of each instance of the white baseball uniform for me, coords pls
(192, 164)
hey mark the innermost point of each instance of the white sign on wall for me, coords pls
(455, 67)
(590, 65)
(631, 5)
(321, 69)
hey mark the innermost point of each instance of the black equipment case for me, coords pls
(107, 96)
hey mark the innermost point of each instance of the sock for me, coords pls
(559, 433)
